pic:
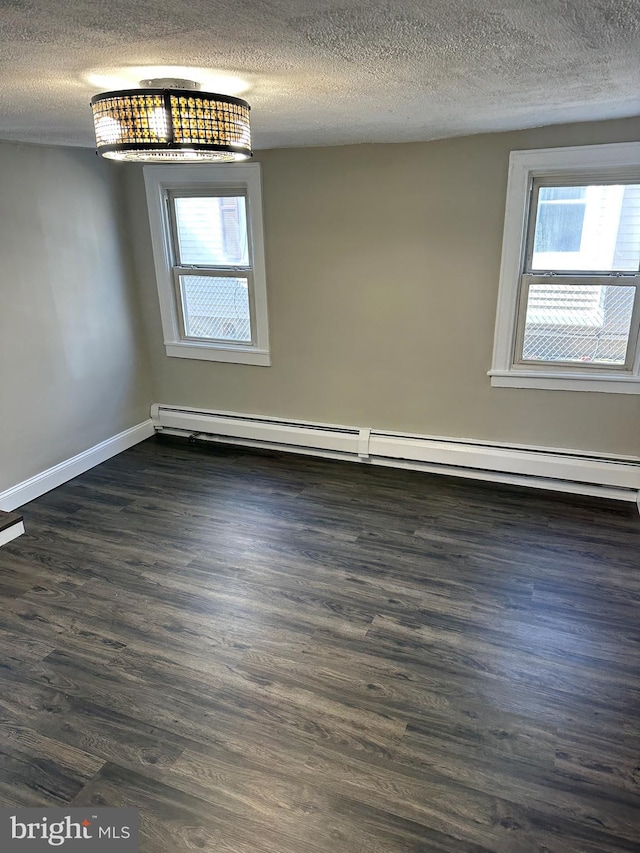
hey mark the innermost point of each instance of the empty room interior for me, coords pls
(320, 426)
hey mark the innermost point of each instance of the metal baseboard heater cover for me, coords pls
(557, 469)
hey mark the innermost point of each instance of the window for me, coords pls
(569, 301)
(206, 228)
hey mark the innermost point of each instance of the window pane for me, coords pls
(587, 228)
(561, 193)
(578, 323)
(216, 307)
(212, 230)
(559, 227)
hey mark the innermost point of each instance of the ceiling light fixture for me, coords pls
(171, 120)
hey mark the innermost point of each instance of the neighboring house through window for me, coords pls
(569, 302)
(206, 227)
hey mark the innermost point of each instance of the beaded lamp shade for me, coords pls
(171, 125)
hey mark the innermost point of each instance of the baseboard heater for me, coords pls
(545, 468)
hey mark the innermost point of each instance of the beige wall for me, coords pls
(72, 370)
(382, 275)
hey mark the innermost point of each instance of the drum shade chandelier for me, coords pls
(168, 120)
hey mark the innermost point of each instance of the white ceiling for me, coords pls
(324, 72)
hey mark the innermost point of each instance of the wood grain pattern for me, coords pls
(8, 519)
(265, 652)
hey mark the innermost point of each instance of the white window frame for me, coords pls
(595, 162)
(245, 179)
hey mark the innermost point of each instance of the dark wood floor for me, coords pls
(281, 654)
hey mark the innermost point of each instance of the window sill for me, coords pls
(564, 381)
(207, 352)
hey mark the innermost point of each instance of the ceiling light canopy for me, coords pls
(169, 120)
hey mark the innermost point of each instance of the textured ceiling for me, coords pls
(322, 72)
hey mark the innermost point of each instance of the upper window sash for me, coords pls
(591, 208)
(172, 219)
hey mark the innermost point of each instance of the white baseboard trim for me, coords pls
(557, 469)
(38, 485)
(11, 533)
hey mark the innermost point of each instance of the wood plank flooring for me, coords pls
(8, 519)
(275, 653)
